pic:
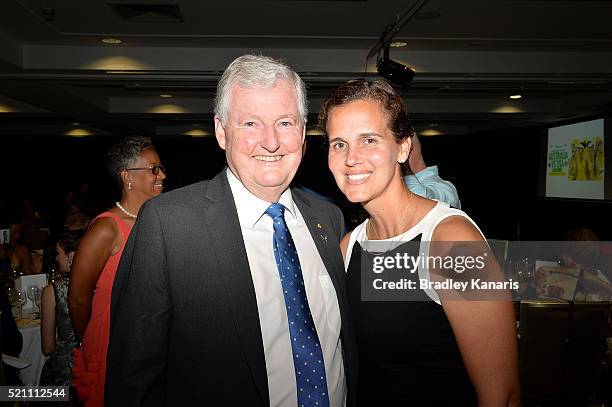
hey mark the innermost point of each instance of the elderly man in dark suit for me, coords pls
(231, 292)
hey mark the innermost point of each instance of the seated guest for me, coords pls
(18, 252)
(54, 318)
(429, 351)
(135, 166)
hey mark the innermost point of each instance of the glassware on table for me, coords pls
(37, 300)
(11, 293)
(21, 299)
(34, 296)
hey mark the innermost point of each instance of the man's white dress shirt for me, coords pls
(257, 233)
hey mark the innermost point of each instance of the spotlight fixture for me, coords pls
(517, 96)
(166, 95)
(48, 14)
(112, 41)
(398, 44)
(394, 71)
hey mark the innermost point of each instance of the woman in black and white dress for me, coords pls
(426, 352)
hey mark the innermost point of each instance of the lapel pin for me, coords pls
(318, 226)
(324, 237)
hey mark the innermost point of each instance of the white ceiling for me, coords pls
(54, 69)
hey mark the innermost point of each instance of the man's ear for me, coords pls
(219, 132)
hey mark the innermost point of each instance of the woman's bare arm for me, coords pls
(47, 320)
(100, 242)
(485, 332)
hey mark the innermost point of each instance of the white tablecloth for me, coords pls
(31, 351)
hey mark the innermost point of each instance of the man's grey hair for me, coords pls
(257, 72)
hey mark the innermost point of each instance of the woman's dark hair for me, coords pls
(70, 240)
(377, 90)
(124, 154)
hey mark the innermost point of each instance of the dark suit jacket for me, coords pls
(184, 319)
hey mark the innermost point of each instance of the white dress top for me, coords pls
(425, 227)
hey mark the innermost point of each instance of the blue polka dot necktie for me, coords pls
(307, 354)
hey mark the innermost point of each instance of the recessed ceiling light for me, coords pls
(517, 96)
(166, 95)
(508, 109)
(430, 132)
(197, 133)
(168, 109)
(315, 132)
(113, 41)
(398, 44)
(76, 123)
(6, 109)
(78, 132)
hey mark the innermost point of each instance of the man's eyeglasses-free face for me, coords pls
(154, 169)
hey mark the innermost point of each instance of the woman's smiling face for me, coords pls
(364, 155)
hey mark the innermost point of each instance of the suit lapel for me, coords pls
(326, 242)
(228, 246)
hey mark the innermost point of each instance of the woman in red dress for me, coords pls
(135, 166)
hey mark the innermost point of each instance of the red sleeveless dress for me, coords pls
(90, 359)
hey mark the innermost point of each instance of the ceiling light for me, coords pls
(398, 44)
(168, 109)
(430, 133)
(78, 133)
(166, 95)
(112, 41)
(315, 132)
(76, 123)
(197, 133)
(517, 96)
(6, 109)
(507, 109)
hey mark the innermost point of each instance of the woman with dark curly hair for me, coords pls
(135, 166)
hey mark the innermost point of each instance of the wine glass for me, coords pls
(12, 297)
(34, 296)
(21, 299)
(37, 299)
